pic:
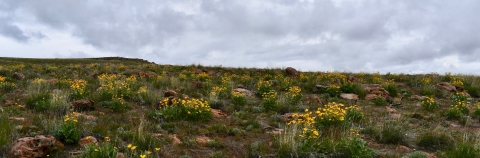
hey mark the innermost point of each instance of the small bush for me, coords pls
(191, 109)
(429, 104)
(270, 101)
(433, 140)
(391, 133)
(356, 147)
(464, 150)
(105, 150)
(68, 132)
(238, 98)
(379, 101)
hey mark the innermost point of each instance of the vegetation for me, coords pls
(141, 109)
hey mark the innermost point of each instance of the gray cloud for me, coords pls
(365, 35)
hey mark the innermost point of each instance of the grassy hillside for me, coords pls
(142, 109)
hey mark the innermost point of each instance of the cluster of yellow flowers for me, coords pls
(272, 95)
(73, 116)
(309, 133)
(263, 84)
(2, 79)
(203, 76)
(377, 78)
(294, 91)
(166, 102)
(197, 105)
(78, 86)
(390, 82)
(245, 78)
(39, 81)
(142, 90)
(332, 112)
(305, 119)
(226, 79)
(238, 94)
(457, 81)
(112, 83)
(182, 76)
(217, 90)
(303, 77)
(131, 79)
(426, 80)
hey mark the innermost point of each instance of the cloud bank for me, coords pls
(315, 35)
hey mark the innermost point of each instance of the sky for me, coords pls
(407, 36)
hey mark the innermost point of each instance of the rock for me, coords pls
(169, 93)
(87, 117)
(292, 72)
(247, 93)
(88, 140)
(175, 140)
(148, 74)
(21, 119)
(349, 96)
(120, 155)
(218, 113)
(52, 81)
(197, 84)
(30, 147)
(287, 117)
(202, 140)
(417, 97)
(445, 86)
(275, 131)
(83, 105)
(352, 79)
(375, 89)
(321, 86)
(240, 86)
(393, 113)
(18, 76)
(404, 149)
(370, 96)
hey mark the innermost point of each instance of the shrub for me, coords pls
(270, 101)
(38, 101)
(391, 133)
(59, 103)
(287, 142)
(264, 87)
(79, 90)
(353, 114)
(434, 140)
(68, 132)
(238, 98)
(380, 101)
(333, 114)
(191, 109)
(5, 131)
(429, 104)
(333, 90)
(293, 95)
(105, 150)
(463, 149)
(356, 147)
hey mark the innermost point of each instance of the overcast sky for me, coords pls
(409, 36)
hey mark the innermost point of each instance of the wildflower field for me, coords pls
(114, 107)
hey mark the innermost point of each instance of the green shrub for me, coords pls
(191, 109)
(356, 147)
(353, 114)
(379, 101)
(391, 133)
(429, 104)
(238, 98)
(392, 89)
(465, 150)
(38, 101)
(270, 101)
(434, 140)
(68, 132)
(5, 131)
(105, 150)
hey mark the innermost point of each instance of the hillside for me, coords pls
(114, 107)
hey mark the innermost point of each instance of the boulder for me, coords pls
(445, 86)
(18, 76)
(349, 96)
(218, 113)
(88, 140)
(197, 84)
(83, 105)
(175, 140)
(417, 97)
(371, 96)
(275, 131)
(202, 140)
(292, 72)
(352, 79)
(169, 93)
(247, 92)
(375, 89)
(30, 147)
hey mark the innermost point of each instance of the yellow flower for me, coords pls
(149, 152)
(157, 149)
(133, 147)
(129, 146)
(143, 156)
(96, 149)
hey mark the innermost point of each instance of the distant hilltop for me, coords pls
(123, 59)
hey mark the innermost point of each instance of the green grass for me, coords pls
(130, 109)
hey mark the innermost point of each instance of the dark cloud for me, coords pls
(363, 35)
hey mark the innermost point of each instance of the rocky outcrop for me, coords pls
(32, 147)
(349, 96)
(445, 86)
(292, 72)
(88, 140)
(247, 92)
(83, 105)
(18, 76)
(374, 91)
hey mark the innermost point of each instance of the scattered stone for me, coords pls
(52, 81)
(202, 140)
(352, 79)
(88, 140)
(19, 127)
(275, 131)
(175, 140)
(197, 84)
(445, 86)
(83, 105)
(287, 117)
(218, 113)
(30, 147)
(87, 117)
(417, 97)
(21, 119)
(240, 86)
(148, 74)
(292, 72)
(349, 96)
(18, 76)
(393, 113)
(247, 93)
(370, 96)
(375, 89)
(120, 155)
(321, 86)
(404, 149)
(169, 93)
